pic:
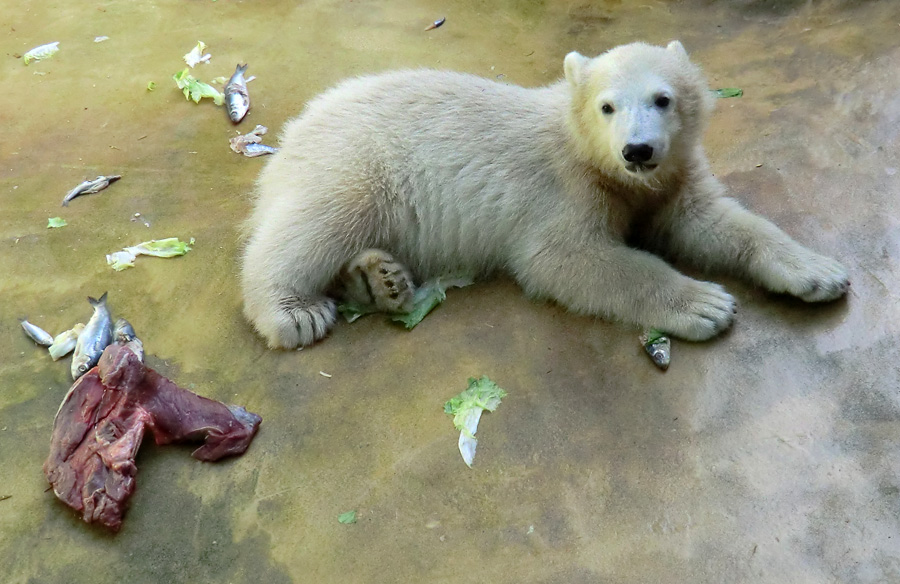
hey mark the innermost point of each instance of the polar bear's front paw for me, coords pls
(814, 278)
(704, 310)
(297, 321)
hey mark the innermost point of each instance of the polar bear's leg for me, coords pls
(719, 234)
(626, 284)
(286, 269)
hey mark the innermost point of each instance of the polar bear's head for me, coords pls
(637, 110)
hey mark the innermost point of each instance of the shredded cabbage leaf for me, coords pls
(196, 90)
(429, 295)
(56, 222)
(40, 53)
(196, 55)
(466, 409)
(728, 92)
(161, 248)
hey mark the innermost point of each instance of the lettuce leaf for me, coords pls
(195, 56)
(161, 248)
(40, 53)
(466, 409)
(196, 90)
(728, 92)
(429, 295)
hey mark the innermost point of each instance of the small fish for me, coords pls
(64, 342)
(253, 150)
(95, 337)
(658, 346)
(89, 187)
(236, 97)
(123, 334)
(250, 144)
(37, 334)
(435, 24)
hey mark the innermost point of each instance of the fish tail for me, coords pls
(95, 302)
(241, 68)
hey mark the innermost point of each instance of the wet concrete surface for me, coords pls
(768, 455)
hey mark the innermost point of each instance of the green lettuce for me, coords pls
(466, 409)
(56, 222)
(196, 90)
(353, 310)
(40, 53)
(161, 248)
(429, 295)
(728, 92)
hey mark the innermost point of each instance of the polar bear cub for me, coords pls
(447, 172)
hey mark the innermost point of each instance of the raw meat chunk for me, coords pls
(101, 422)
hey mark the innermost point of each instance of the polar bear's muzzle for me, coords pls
(637, 157)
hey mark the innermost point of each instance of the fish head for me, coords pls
(79, 368)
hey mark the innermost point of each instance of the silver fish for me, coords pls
(89, 187)
(658, 346)
(37, 334)
(236, 97)
(64, 343)
(251, 145)
(254, 150)
(95, 337)
(123, 334)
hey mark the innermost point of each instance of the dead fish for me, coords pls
(37, 334)
(254, 150)
(95, 337)
(123, 334)
(64, 343)
(250, 144)
(435, 24)
(89, 187)
(236, 97)
(658, 346)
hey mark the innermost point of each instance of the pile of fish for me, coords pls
(87, 341)
(101, 422)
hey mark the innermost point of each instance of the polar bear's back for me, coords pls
(441, 167)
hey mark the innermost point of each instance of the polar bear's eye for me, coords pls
(662, 102)
(607, 108)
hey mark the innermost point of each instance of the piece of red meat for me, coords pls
(101, 422)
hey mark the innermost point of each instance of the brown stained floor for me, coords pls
(770, 455)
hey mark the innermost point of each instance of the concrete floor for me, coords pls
(769, 455)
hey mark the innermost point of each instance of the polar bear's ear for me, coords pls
(574, 65)
(677, 48)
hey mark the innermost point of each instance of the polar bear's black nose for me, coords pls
(637, 152)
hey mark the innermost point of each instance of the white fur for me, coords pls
(451, 172)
